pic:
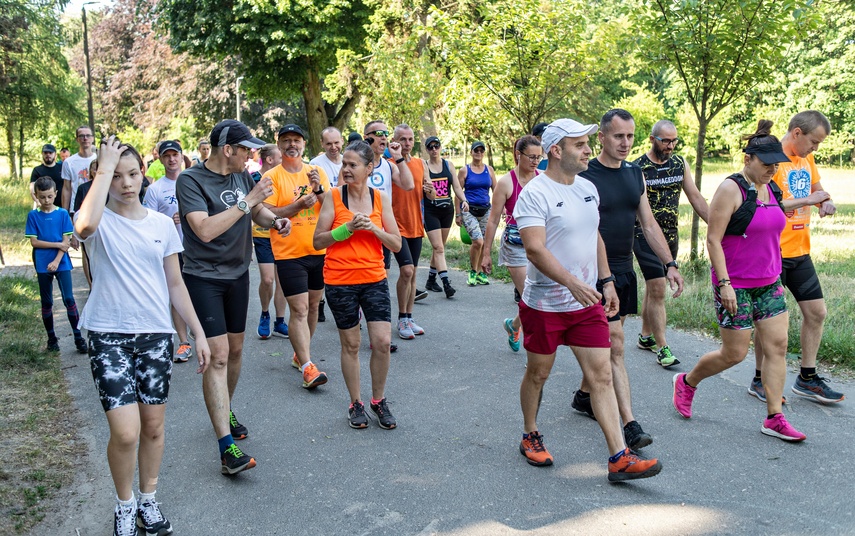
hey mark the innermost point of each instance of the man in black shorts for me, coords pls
(298, 190)
(666, 175)
(623, 199)
(218, 204)
(799, 181)
(407, 207)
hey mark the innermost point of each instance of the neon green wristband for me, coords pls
(341, 233)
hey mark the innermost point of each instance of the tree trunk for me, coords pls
(21, 147)
(10, 142)
(699, 171)
(316, 114)
(342, 117)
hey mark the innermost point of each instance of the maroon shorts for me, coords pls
(545, 332)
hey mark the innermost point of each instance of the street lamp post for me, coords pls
(237, 95)
(88, 68)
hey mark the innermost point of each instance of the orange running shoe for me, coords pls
(630, 466)
(312, 377)
(295, 362)
(532, 448)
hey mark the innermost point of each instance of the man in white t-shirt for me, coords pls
(75, 169)
(558, 218)
(330, 161)
(160, 197)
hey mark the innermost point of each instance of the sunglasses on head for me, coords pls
(378, 133)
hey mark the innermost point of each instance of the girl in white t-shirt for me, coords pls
(135, 278)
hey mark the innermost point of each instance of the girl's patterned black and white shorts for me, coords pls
(130, 368)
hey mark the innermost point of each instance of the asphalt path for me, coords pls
(452, 467)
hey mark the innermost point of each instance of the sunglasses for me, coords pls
(378, 133)
(433, 147)
(478, 150)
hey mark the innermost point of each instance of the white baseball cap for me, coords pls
(564, 128)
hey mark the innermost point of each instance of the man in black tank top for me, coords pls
(666, 176)
(623, 199)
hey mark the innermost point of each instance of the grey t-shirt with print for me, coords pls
(201, 190)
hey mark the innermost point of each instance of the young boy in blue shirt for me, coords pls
(49, 229)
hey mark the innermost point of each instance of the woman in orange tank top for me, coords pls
(353, 229)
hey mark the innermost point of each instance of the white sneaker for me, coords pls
(417, 330)
(125, 520)
(404, 329)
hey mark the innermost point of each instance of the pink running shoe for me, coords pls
(778, 427)
(683, 395)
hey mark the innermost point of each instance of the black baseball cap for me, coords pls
(768, 153)
(48, 148)
(477, 144)
(231, 132)
(432, 139)
(354, 136)
(291, 127)
(169, 145)
(538, 129)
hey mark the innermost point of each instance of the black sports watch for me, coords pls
(672, 263)
(319, 191)
(609, 279)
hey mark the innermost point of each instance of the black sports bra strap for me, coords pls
(344, 196)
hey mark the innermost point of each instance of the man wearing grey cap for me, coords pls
(623, 198)
(48, 168)
(218, 204)
(557, 215)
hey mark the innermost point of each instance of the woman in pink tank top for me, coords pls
(527, 154)
(746, 268)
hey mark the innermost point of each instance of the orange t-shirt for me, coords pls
(407, 205)
(796, 179)
(359, 259)
(287, 188)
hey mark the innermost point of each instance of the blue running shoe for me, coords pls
(264, 326)
(281, 328)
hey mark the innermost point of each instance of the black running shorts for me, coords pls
(220, 304)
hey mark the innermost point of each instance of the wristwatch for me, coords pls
(319, 191)
(244, 206)
(672, 263)
(398, 161)
(609, 279)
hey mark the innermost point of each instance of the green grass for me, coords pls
(16, 202)
(37, 421)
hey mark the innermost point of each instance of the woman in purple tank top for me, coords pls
(527, 154)
(746, 268)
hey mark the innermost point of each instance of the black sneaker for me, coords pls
(449, 290)
(421, 294)
(432, 286)
(517, 296)
(238, 430)
(124, 520)
(234, 461)
(635, 437)
(384, 416)
(321, 316)
(582, 404)
(53, 344)
(151, 520)
(80, 343)
(356, 417)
